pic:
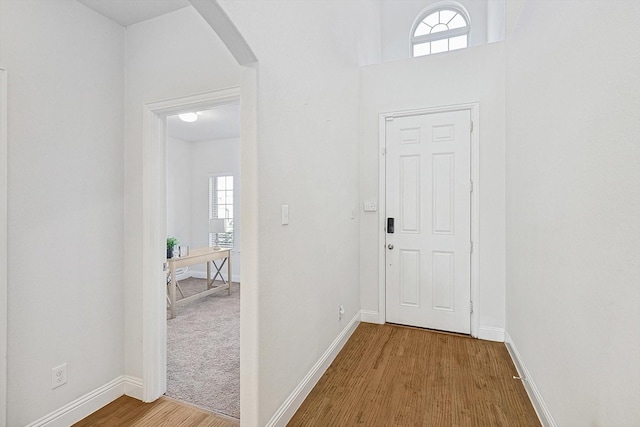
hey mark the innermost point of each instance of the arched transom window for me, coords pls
(440, 30)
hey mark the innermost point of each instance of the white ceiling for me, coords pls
(219, 123)
(129, 12)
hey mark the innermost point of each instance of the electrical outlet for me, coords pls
(340, 312)
(58, 376)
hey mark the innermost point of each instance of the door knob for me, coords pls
(390, 246)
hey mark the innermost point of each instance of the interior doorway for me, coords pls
(154, 337)
(203, 188)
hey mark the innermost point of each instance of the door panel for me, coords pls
(410, 278)
(428, 276)
(410, 197)
(443, 170)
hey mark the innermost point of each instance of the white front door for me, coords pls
(428, 255)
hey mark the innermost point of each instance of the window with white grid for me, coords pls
(221, 207)
(440, 30)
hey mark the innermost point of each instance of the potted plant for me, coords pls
(172, 243)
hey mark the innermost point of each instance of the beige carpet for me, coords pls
(203, 350)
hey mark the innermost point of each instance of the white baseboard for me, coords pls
(203, 275)
(89, 403)
(490, 333)
(370, 316)
(546, 419)
(133, 387)
(184, 275)
(284, 414)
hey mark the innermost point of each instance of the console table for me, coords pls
(199, 256)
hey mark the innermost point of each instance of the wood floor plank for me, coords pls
(385, 376)
(389, 375)
(164, 412)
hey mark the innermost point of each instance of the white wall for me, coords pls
(65, 222)
(3, 243)
(369, 41)
(512, 14)
(573, 204)
(307, 158)
(217, 157)
(189, 165)
(171, 56)
(496, 20)
(471, 75)
(399, 16)
(178, 172)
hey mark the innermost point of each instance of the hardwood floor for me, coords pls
(390, 375)
(165, 412)
(385, 376)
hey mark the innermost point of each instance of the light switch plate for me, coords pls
(370, 206)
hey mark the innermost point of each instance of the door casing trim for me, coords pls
(154, 324)
(4, 254)
(474, 110)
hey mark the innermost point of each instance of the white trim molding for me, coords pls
(4, 164)
(474, 111)
(133, 387)
(154, 325)
(370, 316)
(87, 404)
(490, 333)
(546, 419)
(286, 411)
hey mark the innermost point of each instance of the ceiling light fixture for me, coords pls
(188, 117)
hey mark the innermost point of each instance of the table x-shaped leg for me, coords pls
(219, 270)
(219, 273)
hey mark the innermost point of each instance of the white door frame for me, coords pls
(3, 245)
(154, 228)
(474, 110)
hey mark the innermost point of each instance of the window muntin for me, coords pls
(440, 30)
(221, 207)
